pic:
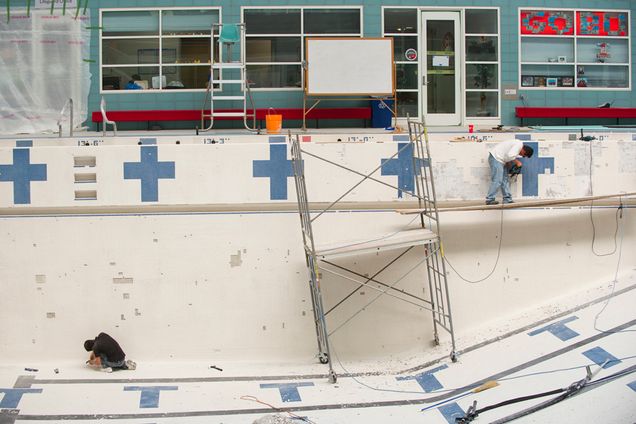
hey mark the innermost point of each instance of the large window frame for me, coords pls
(462, 38)
(300, 36)
(555, 67)
(409, 36)
(484, 63)
(161, 37)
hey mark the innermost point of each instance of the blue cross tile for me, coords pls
(451, 412)
(402, 166)
(427, 379)
(149, 170)
(278, 168)
(288, 391)
(531, 169)
(21, 173)
(147, 140)
(524, 137)
(598, 355)
(277, 139)
(149, 394)
(12, 397)
(558, 329)
(24, 143)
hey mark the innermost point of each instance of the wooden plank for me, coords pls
(397, 240)
(517, 205)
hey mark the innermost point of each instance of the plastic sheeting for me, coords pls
(42, 65)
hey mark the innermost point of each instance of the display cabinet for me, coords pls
(574, 49)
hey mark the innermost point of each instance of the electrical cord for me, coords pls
(496, 260)
(291, 414)
(559, 370)
(454, 389)
(572, 390)
(614, 282)
(592, 217)
(617, 246)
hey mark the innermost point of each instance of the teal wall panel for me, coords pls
(230, 12)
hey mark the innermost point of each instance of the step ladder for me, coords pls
(321, 260)
(228, 84)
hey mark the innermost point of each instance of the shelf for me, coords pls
(547, 63)
(397, 240)
(601, 64)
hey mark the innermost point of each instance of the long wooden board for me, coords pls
(516, 205)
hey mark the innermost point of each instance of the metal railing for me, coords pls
(102, 107)
(69, 105)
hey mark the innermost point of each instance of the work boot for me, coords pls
(131, 365)
(492, 202)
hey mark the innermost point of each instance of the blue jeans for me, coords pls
(498, 179)
(114, 364)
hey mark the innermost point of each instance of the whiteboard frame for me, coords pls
(308, 65)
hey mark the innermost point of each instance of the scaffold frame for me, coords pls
(320, 260)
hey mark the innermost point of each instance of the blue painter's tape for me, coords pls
(277, 169)
(401, 137)
(451, 412)
(147, 141)
(149, 170)
(524, 137)
(558, 329)
(427, 379)
(277, 139)
(402, 166)
(24, 143)
(633, 137)
(12, 397)
(598, 355)
(632, 385)
(288, 391)
(149, 394)
(531, 169)
(21, 173)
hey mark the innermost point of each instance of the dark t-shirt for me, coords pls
(107, 346)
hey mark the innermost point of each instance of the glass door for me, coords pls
(441, 66)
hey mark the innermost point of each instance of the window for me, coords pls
(482, 58)
(401, 24)
(275, 40)
(156, 49)
(574, 49)
(481, 32)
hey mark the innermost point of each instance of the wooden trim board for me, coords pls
(517, 205)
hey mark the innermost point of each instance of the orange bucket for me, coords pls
(273, 122)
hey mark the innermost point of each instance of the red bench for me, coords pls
(575, 112)
(148, 116)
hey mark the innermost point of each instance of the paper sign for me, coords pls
(46, 4)
(441, 61)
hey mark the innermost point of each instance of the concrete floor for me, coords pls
(550, 354)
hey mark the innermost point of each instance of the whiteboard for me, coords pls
(349, 66)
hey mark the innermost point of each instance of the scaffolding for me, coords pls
(426, 234)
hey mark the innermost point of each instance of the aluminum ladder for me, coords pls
(228, 75)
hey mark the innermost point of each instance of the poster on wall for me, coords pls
(602, 23)
(547, 22)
